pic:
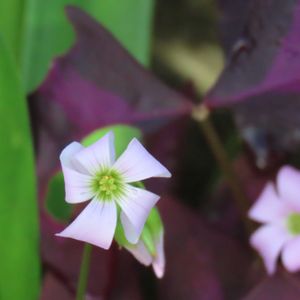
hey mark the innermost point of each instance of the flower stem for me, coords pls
(84, 272)
(201, 114)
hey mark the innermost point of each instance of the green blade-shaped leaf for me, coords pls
(48, 34)
(10, 23)
(19, 272)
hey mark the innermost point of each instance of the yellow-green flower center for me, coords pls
(293, 223)
(108, 185)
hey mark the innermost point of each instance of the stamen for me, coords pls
(109, 185)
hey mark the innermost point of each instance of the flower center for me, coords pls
(293, 223)
(108, 185)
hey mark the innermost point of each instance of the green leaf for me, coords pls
(10, 24)
(47, 33)
(123, 135)
(20, 270)
(154, 222)
(54, 200)
(148, 240)
(153, 228)
(120, 236)
(55, 203)
(130, 21)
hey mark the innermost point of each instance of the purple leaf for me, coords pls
(53, 288)
(270, 126)
(280, 286)
(201, 262)
(221, 210)
(266, 58)
(98, 83)
(232, 18)
(166, 144)
(262, 78)
(129, 289)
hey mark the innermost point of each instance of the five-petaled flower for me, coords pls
(279, 209)
(93, 173)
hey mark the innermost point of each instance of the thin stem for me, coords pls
(201, 115)
(84, 272)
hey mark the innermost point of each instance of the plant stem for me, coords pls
(84, 272)
(201, 114)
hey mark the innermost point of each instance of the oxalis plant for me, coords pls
(99, 136)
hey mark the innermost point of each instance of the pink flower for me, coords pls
(92, 173)
(279, 211)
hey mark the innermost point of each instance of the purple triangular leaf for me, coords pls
(266, 58)
(98, 83)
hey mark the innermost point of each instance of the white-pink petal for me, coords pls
(159, 261)
(136, 205)
(291, 255)
(66, 156)
(268, 240)
(96, 224)
(136, 164)
(268, 207)
(140, 252)
(97, 156)
(77, 184)
(288, 183)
